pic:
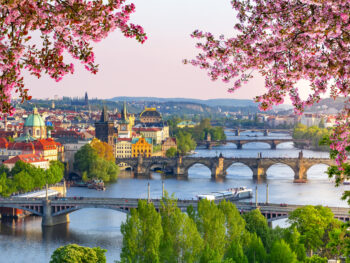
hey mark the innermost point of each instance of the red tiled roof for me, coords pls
(27, 158)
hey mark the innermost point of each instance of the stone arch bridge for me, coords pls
(179, 166)
(240, 142)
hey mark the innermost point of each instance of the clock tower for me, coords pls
(124, 129)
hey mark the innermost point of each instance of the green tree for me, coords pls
(91, 166)
(255, 250)
(257, 223)
(171, 152)
(85, 158)
(292, 236)
(185, 142)
(142, 233)
(336, 244)
(281, 253)
(23, 181)
(235, 252)
(314, 223)
(234, 223)
(55, 172)
(316, 259)
(211, 225)
(74, 253)
(181, 241)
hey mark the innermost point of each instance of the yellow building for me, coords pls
(142, 146)
(189, 124)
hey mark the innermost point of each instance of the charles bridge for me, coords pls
(179, 166)
(54, 212)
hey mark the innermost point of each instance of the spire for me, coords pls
(125, 112)
(104, 115)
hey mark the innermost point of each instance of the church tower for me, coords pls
(104, 129)
(86, 99)
(124, 128)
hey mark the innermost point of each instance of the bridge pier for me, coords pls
(48, 219)
(273, 145)
(218, 168)
(300, 174)
(259, 172)
(237, 133)
(239, 145)
(266, 132)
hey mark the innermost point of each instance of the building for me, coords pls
(167, 144)
(154, 134)
(35, 125)
(49, 149)
(33, 159)
(104, 129)
(310, 119)
(142, 146)
(150, 115)
(123, 148)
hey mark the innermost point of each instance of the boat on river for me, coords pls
(230, 194)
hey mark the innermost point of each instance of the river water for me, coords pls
(26, 241)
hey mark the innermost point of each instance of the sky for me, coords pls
(128, 68)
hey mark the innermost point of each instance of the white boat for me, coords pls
(231, 194)
(346, 181)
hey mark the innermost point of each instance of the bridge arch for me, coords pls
(196, 165)
(280, 170)
(80, 207)
(239, 169)
(34, 209)
(312, 173)
(260, 145)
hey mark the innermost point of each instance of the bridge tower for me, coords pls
(140, 168)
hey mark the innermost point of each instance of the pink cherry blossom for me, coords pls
(286, 41)
(64, 25)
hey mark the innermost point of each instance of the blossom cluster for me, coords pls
(286, 41)
(64, 26)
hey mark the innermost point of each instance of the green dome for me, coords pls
(34, 120)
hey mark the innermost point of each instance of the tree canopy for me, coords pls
(92, 163)
(286, 41)
(73, 253)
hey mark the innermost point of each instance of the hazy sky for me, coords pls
(155, 68)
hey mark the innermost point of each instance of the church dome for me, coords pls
(34, 120)
(150, 112)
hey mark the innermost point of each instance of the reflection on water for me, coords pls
(25, 240)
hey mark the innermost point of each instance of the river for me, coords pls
(26, 241)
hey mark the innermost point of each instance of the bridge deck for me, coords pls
(339, 212)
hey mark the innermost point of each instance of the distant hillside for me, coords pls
(327, 105)
(210, 102)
